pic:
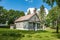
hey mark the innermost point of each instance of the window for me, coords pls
(30, 25)
(38, 25)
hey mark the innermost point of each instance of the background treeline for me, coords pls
(53, 18)
(9, 16)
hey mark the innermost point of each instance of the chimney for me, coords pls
(35, 10)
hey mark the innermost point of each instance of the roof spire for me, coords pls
(35, 10)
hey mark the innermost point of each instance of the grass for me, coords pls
(8, 34)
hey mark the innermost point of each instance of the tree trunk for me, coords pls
(57, 28)
(43, 26)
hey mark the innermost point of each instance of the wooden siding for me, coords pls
(34, 18)
(22, 25)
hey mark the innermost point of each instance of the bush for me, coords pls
(4, 26)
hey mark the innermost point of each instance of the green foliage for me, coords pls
(2, 15)
(54, 15)
(9, 15)
(51, 2)
(12, 15)
(42, 15)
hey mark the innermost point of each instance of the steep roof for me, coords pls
(24, 18)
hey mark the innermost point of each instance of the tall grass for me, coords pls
(8, 34)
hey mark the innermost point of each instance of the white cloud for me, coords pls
(46, 10)
(25, 13)
(32, 10)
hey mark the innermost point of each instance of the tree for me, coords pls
(42, 16)
(54, 16)
(28, 12)
(13, 15)
(1, 8)
(9, 15)
(2, 14)
(22, 13)
(51, 3)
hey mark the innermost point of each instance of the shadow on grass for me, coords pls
(8, 38)
(10, 35)
(32, 32)
(57, 35)
(22, 31)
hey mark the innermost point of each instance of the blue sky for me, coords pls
(22, 5)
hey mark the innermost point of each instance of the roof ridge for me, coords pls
(23, 18)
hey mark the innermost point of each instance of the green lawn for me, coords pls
(8, 34)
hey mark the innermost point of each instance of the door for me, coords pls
(34, 26)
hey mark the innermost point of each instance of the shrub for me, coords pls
(5, 26)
